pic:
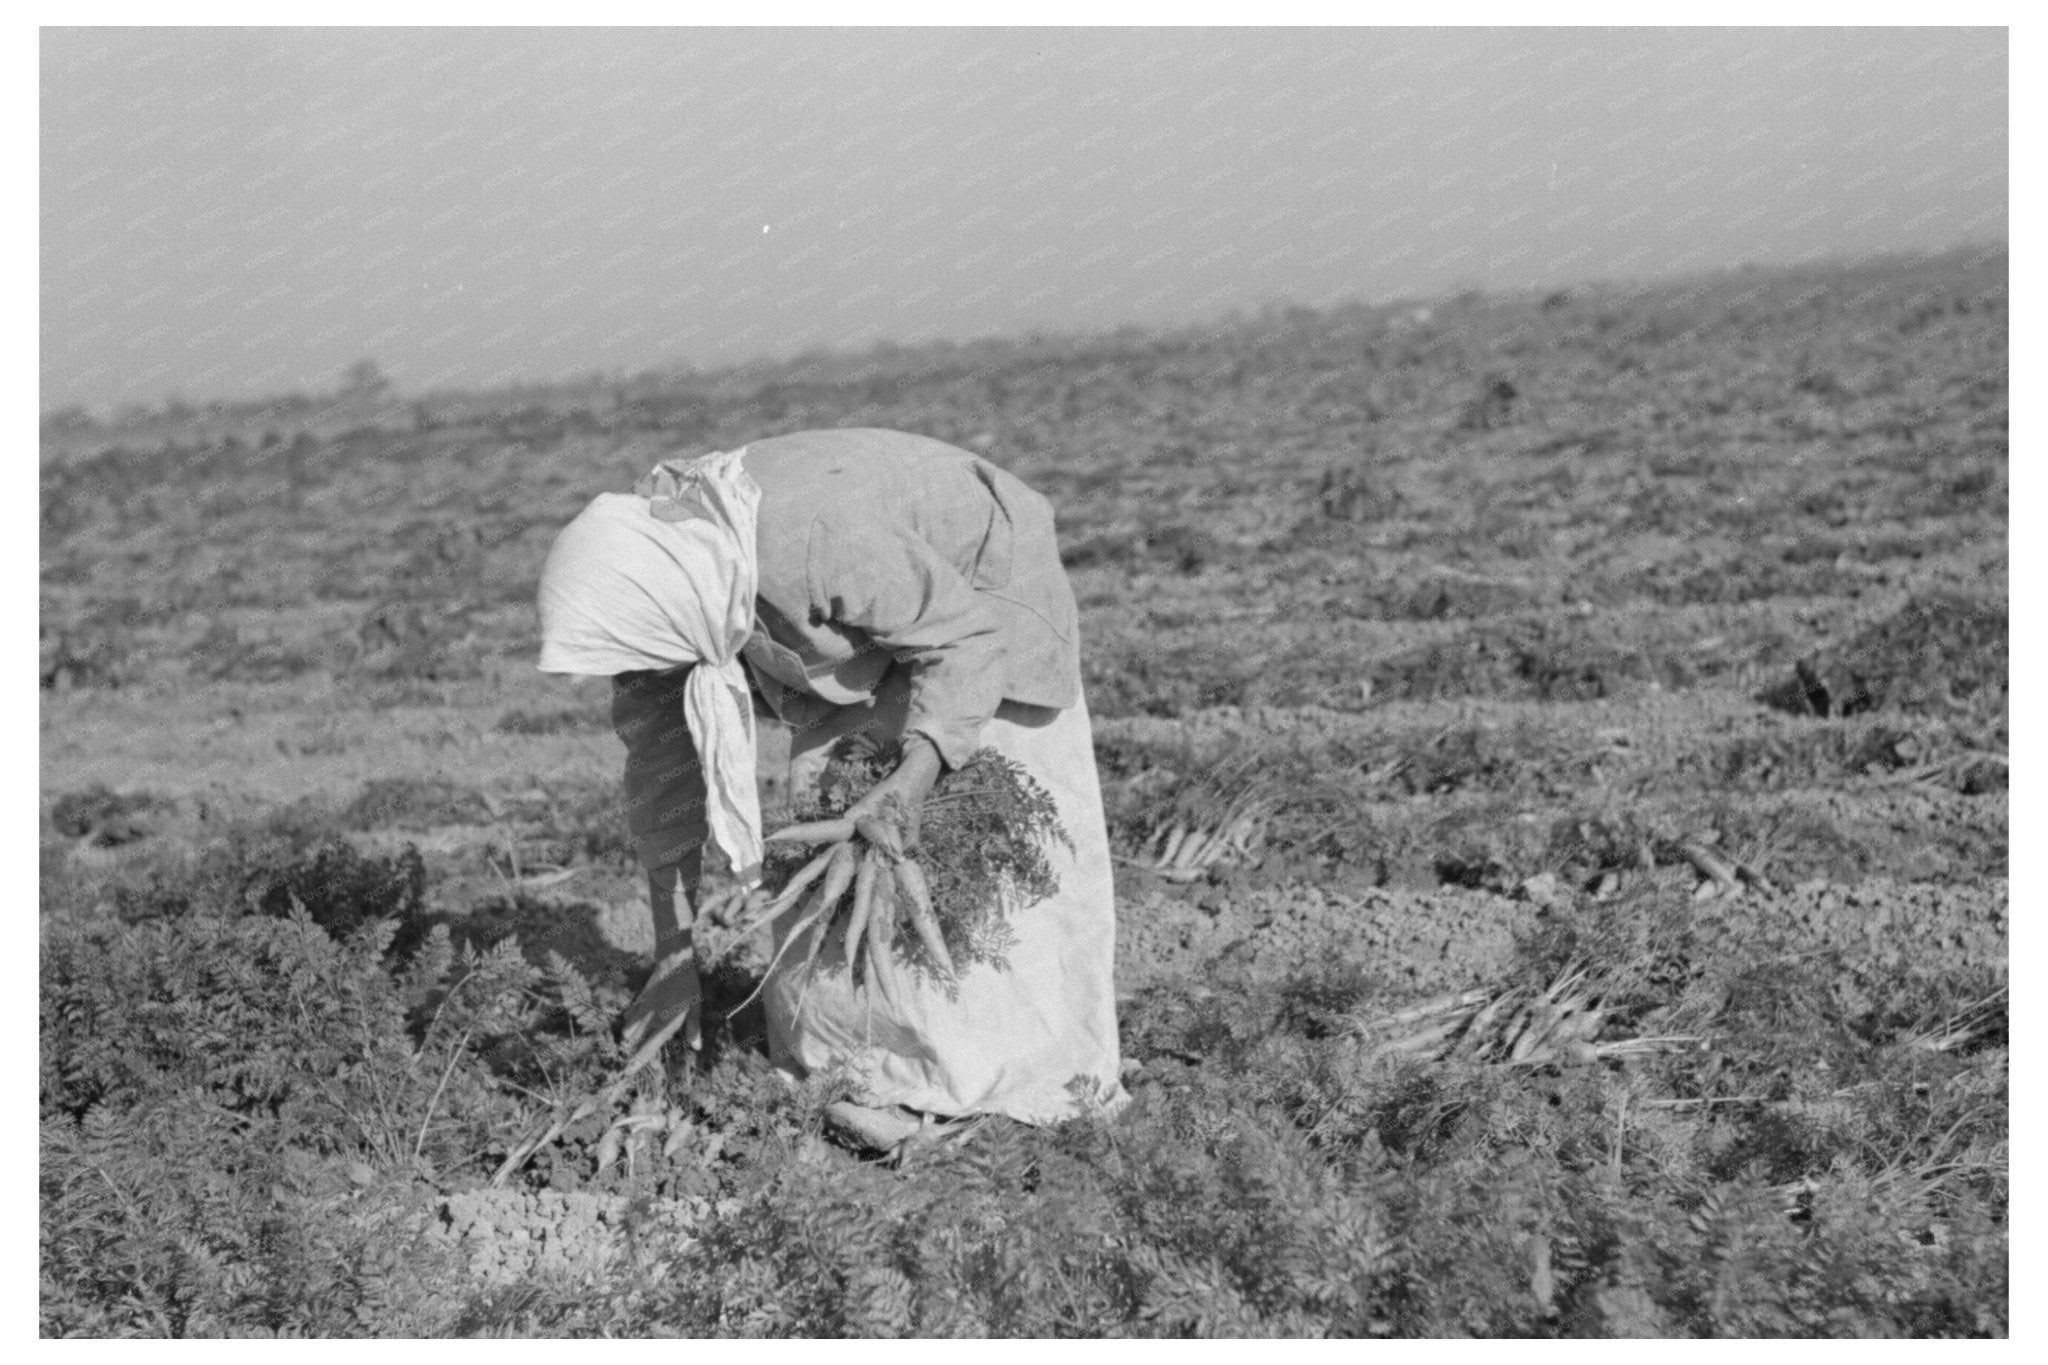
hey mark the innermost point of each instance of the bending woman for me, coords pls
(867, 581)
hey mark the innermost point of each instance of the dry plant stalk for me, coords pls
(1558, 1025)
(1222, 829)
(1963, 1027)
(600, 1099)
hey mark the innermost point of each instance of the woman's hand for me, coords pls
(899, 797)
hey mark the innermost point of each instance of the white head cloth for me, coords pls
(661, 578)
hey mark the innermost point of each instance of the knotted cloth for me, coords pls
(664, 577)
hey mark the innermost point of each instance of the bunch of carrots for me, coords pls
(884, 879)
(864, 856)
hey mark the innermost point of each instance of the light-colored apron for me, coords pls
(1035, 1041)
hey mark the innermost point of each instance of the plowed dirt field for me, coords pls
(1430, 646)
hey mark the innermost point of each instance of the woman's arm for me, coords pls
(889, 584)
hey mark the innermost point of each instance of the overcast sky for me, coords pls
(233, 212)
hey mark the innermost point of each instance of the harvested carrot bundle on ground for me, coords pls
(982, 855)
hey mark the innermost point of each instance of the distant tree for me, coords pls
(364, 379)
(66, 419)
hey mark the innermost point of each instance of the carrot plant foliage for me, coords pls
(250, 1126)
(1596, 705)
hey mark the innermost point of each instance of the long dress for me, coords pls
(908, 586)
